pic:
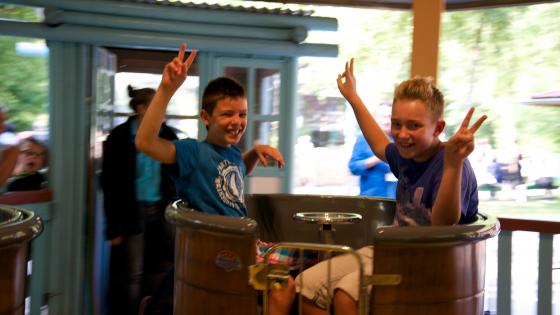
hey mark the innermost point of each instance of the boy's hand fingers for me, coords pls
(176, 64)
(181, 54)
(281, 162)
(352, 66)
(262, 158)
(463, 139)
(466, 121)
(190, 58)
(339, 81)
(477, 124)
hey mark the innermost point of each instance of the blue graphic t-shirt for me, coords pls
(418, 184)
(210, 177)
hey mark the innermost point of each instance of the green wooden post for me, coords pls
(70, 91)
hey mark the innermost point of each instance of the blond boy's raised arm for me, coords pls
(375, 136)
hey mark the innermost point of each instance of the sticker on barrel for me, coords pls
(228, 260)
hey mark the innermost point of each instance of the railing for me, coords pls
(39, 202)
(546, 232)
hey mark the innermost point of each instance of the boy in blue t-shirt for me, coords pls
(436, 183)
(211, 172)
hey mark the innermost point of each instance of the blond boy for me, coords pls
(436, 183)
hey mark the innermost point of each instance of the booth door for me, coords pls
(104, 70)
(270, 104)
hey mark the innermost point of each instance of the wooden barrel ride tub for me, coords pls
(212, 256)
(17, 228)
(442, 268)
(212, 253)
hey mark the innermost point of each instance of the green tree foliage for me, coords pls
(19, 13)
(380, 42)
(495, 59)
(492, 59)
(24, 80)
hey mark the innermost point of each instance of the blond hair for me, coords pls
(421, 89)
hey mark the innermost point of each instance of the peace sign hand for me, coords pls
(346, 81)
(175, 72)
(461, 144)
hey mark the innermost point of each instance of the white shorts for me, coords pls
(344, 276)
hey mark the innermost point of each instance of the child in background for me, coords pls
(436, 183)
(27, 173)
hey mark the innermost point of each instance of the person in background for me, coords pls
(31, 161)
(376, 179)
(136, 191)
(9, 149)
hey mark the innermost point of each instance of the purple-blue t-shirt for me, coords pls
(210, 177)
(418, 184)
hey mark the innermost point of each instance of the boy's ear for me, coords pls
(440, 125)
(204, 117)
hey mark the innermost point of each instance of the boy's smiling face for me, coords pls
(227, 123)
(415, 130)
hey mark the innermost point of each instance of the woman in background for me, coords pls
(136, 191)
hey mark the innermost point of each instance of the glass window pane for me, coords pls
(185, 128)
(25, 100)
(266, 133)
(240, 74)
(267, 92)
(184, 102)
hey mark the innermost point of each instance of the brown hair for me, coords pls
(218, 89)
(140, 96)
(422, 89)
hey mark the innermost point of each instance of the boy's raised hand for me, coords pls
(175, 72)
(264, 152)
(461, 144)
(346, 81)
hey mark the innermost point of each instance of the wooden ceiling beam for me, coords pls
(350, 3)
(407, 4)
